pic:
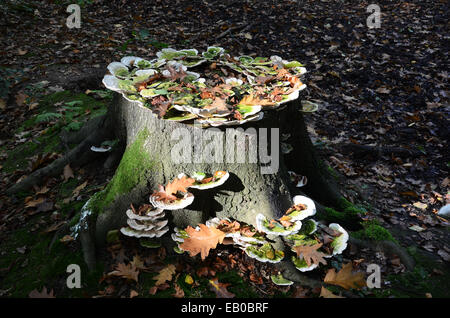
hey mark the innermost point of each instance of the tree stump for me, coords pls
(250, 189)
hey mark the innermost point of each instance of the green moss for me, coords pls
(133, 170)
(237, 285)
(333, 173)
(39, 266)
(423, 279)
(347, 216)
(372, 230)
(67, 187)
(86, 108)
(18, 158)
(348, 220)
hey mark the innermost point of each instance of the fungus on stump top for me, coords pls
(165, 103)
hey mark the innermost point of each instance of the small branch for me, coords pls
(243, 27)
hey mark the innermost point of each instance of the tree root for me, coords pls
(80, 155)
(88, 247)
(387, 247)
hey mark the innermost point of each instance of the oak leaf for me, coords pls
(161, 108)
(219, 106)
(138, 263)
(68, 173)
(165, 274)
(220, 289)
(202, 241)
(325, 293)
(176, 74)
(251, 100)
(345, 277)
(229, 227)
(133, 293)
(43, 294)
(310, 253)
(179, 293)
(78, 189)
(125, 271)
(167, 194)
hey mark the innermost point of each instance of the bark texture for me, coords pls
(246, 193)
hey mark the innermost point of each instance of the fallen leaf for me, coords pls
(165, 274)
(300, 292)
(153, 290)
(219, 106)
(189, 280)
(310, 253)
(125, 271)
(251, 100)
(179, 293)
(66, 239)
(77, 190)
(20, 98)
(256, 279)
(325, 293)
(167, 194)
(43, 294)
(202, 241)
(220, 289)
(420, 205)
(43, 190)
(346, 277)
(54, 227)
(383, 90)
(133, 293)
(416, 228)
(205, 271)
(68, 173)
(34, 203)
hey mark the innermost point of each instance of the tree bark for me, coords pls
(246, 193)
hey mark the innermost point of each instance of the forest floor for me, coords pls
(384, 88)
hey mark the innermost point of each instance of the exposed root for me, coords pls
(80, 155)
(387, 247)
(88, 246)
(88, 128)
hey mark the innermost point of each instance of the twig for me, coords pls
(243, 27)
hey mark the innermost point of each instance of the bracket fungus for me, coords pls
(299, 180)
(339, 243)
(212, 87)
(204, 181)
(174, 195)
(274, 227)
(176, 204)
(146, 222)
(280, 280)
(264, 253)
(303, 207)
